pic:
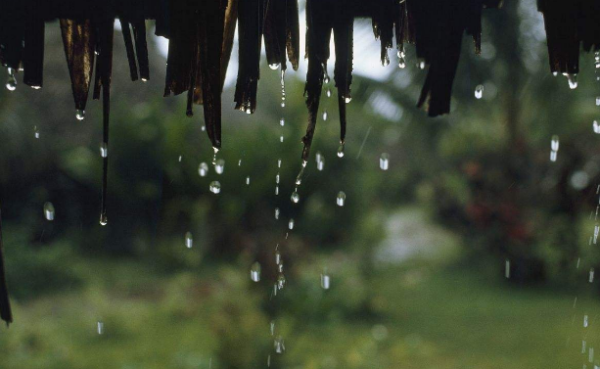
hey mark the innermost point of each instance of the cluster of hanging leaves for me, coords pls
(201, 40)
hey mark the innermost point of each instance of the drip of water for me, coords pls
(248, 181)
(507, 268)
(282, 122)
(479, 91)
(301, 173)
(276, 213)
(348, 99)
(553, 156)
(325, 115)
(279, 345)
(572, 78)
(36, 132)
(220, 166)
(328, 92)
(591, 277)
(401, 60)
(215, 187)
(100, 327)
(203, 169)
(49, 211)
(255, 272)
(340, 151)
(274, 66)
(291, 224)
(596, 127)
(384, 161)
(11, 80)
(189, 240)
(325, 281)
(295, 196)
(272, 327)
(104, 150)
(585, 321)
(341, 198)
(80, 114)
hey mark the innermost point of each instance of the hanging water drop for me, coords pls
(11, 80)
(203, 169)
(384, 161)
(340, 152)
(189, 240)
(301, 173)
(80, 114)
(274, 66)
(341, 198)
(255, 272)
(325, 281)
(49, 211)
(295, 197)
(291, 224)
(220, 166)
(215, 187)
(572, 78)
(104, 150)
(479, 91)
(347, 99)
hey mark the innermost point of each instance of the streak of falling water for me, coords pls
(591, 354)
(596, 127)
(104, 150)
(255, 272)
(215, 187)
(276, 190)
(248, 181)
(321, 164)
(189, 240)
(240, 163)
(272, 327)
(283, 88)
(11, 80)
(281, 138)
(220, 166)
(507, 269)
(279, 345)
(325, 281)
(591, 277)
(203, 169)
(341, 198)
(291, 224)
(100, 327)
(268, 361)
(585, 321)
(282, 122)
(384, 161)
(49, 211)
(36, 132)
(215, 152)
(278, 163)
(80, 114)
(553, 155)
(325, 115)
(479, 91)
(276, 213)
(180, 157)
(301, 173)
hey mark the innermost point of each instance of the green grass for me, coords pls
(422, 315)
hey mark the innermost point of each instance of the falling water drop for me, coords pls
(215, 187)
(180, 157)
(104, 150)
(301, 173)
(421, 65)
(585, 321)
(591, 277)
(291, 224)
(11, 80)
(203, 169)
(401, 60)
(248, 181)
(220, 166)
(189, 240)
(248, 110)
(328, 92)
(100, 327)
(276, 190)
(281, 138)
(295, 196)
(325, 115)
(386, 61)
(507, 268)
(278, 163)
(325, 281)
(277, 178)
(348, 99)
(274, 66)
(479, 91)
(240, 163)
(255, 272)
(340, 152)
(341, 198)
(279, 345)
(553, 156)
(384, 161)
(554, 143)
(572, 78)
(596, 127)
(282, 122)
(36, 132)
(597, 100)
(103, 219)
(276, 213)
(80, 114)
(49, 211)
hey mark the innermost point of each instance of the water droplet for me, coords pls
(80, 114)
(421, 65)
(301, 173)
(347, 99)
(104, 150)
(144, 79)
(386, 61)
(36, 132)
(596, 127)
(479, 91)
(277, 258)
(554, 143)
(203, 169)
(340, 152)
(281, 138)
(100, 327)
(328, 92)
(597, 100)
(255, 272)
(248, 180)
(280, 281)
(384, 161)
(274, 66)
(341, 198)
(11, 80)
(279, 345)
(240, 163)
(189, 240)
(180, 157)
(248, 111)
(276, 213)
(291, 224)
(585, 321)
(283, 102)
(215, 187)
(276, 190)
(49, 211)
(295, 197)
(279, 163)
(553, 155)
(282, 122)
(220, 166)
(36, 87)
(507, 268)
(572, 78)
(325, 281)
(325, 115)
(591, 277)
